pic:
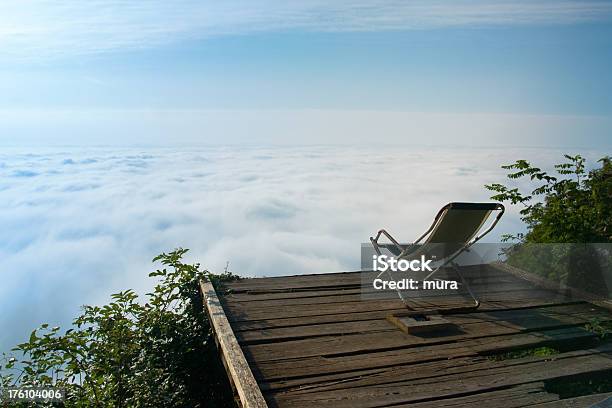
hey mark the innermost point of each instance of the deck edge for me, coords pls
(556, 286)
(237, 367)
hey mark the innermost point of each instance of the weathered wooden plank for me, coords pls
(238, 313)
(343, 328)
(400, 389)
(296, 282)
(242, 314)
(307, 297)
(343, 279)
(288, 295)
(578, 402)
(237, 366)
(469, 328)
(309, 331)
(264, 324)
(314, 370)
(370, 315)
(542, 282)
(426, 373)
(255, 302)
(497, 284)
(523, 395)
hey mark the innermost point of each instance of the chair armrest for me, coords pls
(374, 241)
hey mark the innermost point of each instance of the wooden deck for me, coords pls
(311, 340)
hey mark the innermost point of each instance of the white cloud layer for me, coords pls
(78, 225)
(37, 28)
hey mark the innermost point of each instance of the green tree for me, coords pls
(572, 206)
(572, 209)
(129, 354)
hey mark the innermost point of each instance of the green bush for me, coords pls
(573, 210)
(130, 354)
(573, 207)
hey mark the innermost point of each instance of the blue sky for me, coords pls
(496, 72)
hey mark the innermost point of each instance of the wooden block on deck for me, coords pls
(419, 323)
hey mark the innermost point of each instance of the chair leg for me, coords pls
(461, 309)
(399, 292)
(464, 282)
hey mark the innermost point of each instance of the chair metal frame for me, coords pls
(407, 250)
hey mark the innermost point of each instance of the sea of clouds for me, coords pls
(79, 224)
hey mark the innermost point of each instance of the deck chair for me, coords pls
(455, 228)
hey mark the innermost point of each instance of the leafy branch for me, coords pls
(128, 353)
